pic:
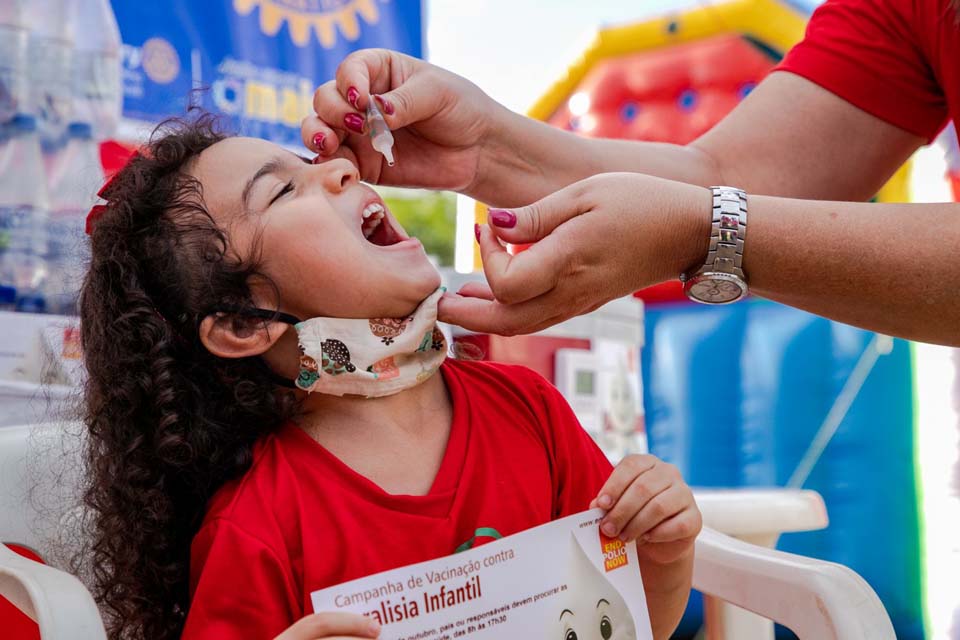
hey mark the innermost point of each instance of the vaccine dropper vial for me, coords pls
(380, 136)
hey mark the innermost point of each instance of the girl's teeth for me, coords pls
(373, 215)
(370, 225)
(372, 209)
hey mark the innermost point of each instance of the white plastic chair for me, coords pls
(54, 599)
(813, 598)
(34, 459)
(759, 517)
(817, 600)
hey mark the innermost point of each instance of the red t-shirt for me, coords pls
(896, 59)
(301, 520)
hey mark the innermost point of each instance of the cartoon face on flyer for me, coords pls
(561, 581)
(593, 609)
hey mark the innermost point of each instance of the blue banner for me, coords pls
(257, 62)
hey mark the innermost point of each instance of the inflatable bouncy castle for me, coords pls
(672, 78)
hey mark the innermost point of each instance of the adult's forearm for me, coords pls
(525, 160)
(789, 137)
(890, 268)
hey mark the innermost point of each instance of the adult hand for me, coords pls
(331, 626)
(440, 121)
(595, 240)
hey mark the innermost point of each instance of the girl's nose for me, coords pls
(338, 174)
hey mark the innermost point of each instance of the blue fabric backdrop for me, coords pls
(257, 61)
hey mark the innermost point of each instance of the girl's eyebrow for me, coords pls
(270, 167)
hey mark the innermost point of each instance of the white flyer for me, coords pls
(563, 580)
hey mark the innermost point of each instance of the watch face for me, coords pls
(711, 289)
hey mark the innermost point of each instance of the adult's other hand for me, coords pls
(593, 241)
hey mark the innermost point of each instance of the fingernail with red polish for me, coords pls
(385, 105)
(503, 218)
(318, 141)
(353, 97)
(476, 231)
(354, 122)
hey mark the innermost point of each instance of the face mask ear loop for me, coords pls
(264, 314)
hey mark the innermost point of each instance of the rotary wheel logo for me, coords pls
(160, 61)
(324, 17)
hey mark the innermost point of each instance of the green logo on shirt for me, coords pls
(481, 532)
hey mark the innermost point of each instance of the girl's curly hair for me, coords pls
(168, 423)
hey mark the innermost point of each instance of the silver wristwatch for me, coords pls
(721, 280)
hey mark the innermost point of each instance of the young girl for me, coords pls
(271, 411)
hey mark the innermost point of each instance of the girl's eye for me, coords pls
(606, 628)
(571, 635)
(287, 188)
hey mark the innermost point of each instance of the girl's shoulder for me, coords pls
(250, 500)
(498, 386)
(485, 374)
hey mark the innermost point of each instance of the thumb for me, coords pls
(536, 221)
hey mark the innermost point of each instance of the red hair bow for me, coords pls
(98, 210)
(95, 212)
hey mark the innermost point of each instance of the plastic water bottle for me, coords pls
(23, 212)
(97, 95)
(72, 183)
(49, 67)
(13, 59)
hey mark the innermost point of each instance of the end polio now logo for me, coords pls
(324, 17)
(614, 552)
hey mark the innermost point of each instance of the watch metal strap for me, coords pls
(728, 232)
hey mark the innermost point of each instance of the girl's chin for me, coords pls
(422, 275)
(426, 284)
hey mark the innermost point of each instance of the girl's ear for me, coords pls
(227, 336)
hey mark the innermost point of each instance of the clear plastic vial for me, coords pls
(380, 136)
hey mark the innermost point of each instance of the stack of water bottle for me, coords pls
(60, 94)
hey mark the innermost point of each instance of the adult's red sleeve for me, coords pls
(241, 588)
(871, 53)
(580, 467)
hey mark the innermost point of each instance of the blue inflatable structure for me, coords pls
(734, 396)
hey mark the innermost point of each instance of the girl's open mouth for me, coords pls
(378, 227)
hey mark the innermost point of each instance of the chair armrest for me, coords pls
(817, 600)
(54, 599)
(750, 512)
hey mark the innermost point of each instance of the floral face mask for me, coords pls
(368, 358)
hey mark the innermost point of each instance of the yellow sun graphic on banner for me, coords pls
(324, 17)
